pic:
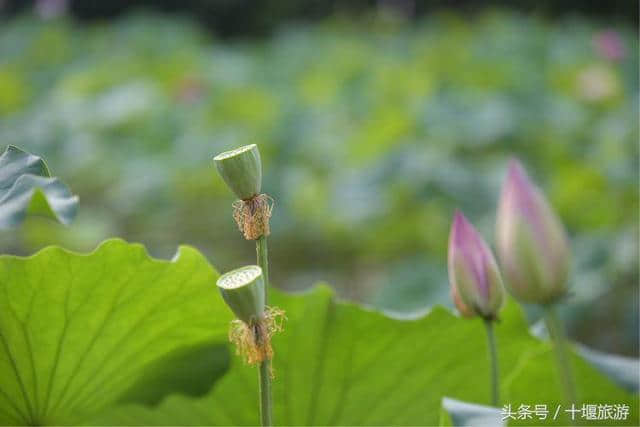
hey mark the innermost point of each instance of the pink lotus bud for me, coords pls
(532, 244)
(476, 285)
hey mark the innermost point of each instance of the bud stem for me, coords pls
(493, 357)
(264, 373)
(558, 340)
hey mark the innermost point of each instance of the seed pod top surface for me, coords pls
(476, 284)
(532, 245)
(243, 291)
(241, 169)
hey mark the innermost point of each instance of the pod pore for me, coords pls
(253, 340)
(252, 216)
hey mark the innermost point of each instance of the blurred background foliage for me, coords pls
(373, 127)
(230, 18)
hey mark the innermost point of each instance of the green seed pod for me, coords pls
(243, 291)
(241, 169)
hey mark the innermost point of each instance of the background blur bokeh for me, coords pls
(375, 121)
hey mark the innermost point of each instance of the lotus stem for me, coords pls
(493, 359)
(262, 254)
(558, 340)
(265, 366)
(264, 376)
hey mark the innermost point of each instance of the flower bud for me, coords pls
(476, 285)
(243, 291)
(241, 169)
(531, 242)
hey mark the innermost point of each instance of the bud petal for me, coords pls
(464, 310)
(243, 291)
(532, 245)
(476, 285)
(241, 169)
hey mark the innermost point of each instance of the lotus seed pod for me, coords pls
(473, 272)
(532, 245)
(241, 169)
(243, 291)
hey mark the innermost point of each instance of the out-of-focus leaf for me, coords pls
(338, 364)
(465, 414)
(27, 188)
(79, 332)
(405, 289)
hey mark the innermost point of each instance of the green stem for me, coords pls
(264, 374)
(263, 261)
(560, 349)
(493, 357)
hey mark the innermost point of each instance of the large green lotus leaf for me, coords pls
(625, 371)
(535, 381)
(79, 332)
(340, 364)
(188, 370)
(27, 188)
